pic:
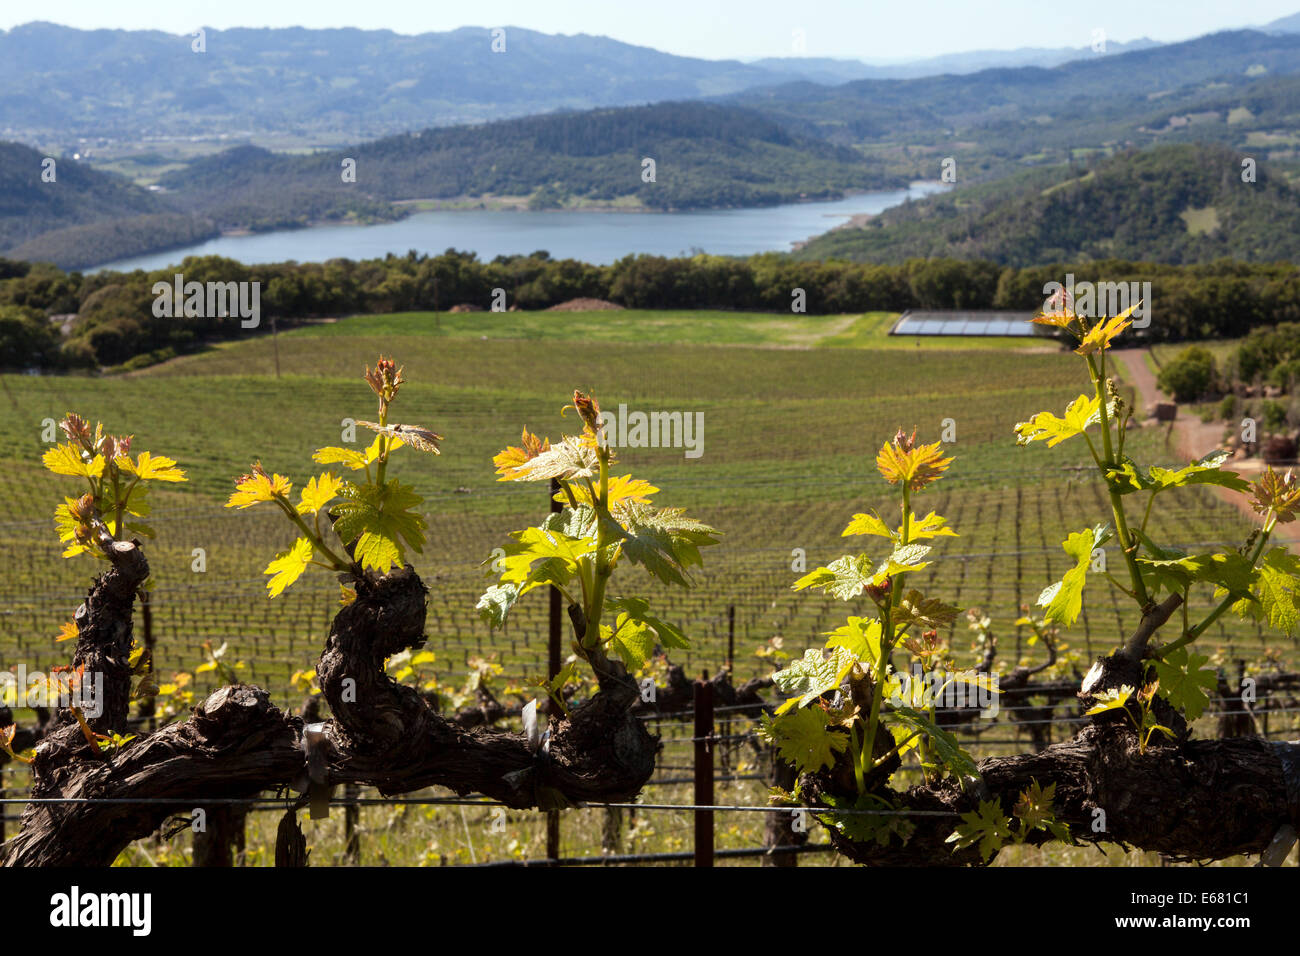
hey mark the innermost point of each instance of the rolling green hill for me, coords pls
(1176, 204)
(705, 155)
(83, 215)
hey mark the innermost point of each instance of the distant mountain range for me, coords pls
(1289, 24)
(1129, 83)
(1239, 89)
(59, 84)
(833, 71)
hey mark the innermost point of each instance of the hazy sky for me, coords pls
(715, 29)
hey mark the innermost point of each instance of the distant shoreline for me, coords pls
(816, 217)
(860, 219)
(493, 203)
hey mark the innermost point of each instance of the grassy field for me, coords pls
(794, 410)
(1164, 353)
(667, 327)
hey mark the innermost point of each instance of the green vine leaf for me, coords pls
(931, 526)
(68, 460)
(952, 757)
(380, 522)
(844, 577)
(573, 457)
(1045, 426)
(1275, 592)
(918, 610)
(1064, 599)
(812, 675)
(632, 640)
(803, 738)
(1206, 471)
(1107, 700)
(665, 541)
(860, 636)
(638, 610)
(1186, 682)
(495, 603)
(1034, 810)
(540, 556)
(867, 524)
(987, 826)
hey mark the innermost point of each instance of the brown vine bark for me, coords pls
(1187, 799)
(1199, 800)
(237, 744)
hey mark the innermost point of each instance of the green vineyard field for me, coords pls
(789, 441)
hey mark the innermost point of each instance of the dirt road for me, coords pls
(1191, 438)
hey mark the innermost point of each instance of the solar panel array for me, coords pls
(964, 323)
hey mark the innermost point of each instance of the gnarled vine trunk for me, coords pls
(1187, 799)
(237, 744)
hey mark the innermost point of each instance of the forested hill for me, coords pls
(1177, 204)
(1135, 82)
(705, 156)
(83, 215)
(1237, 89)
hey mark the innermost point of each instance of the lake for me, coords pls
(596, 237)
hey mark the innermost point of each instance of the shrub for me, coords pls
(1265, 349)
(1284, 374)
(1189, 376)
(1274, 415)
(26, 339)
(1279, 449)
(147, 359)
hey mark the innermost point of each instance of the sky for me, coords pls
(877, 30)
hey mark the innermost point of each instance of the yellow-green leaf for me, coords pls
(860, 636)
(867, 524)
(251, 489)
(318, 493)
(1100, 335)
(149, 467)
(812, 675)
(68, 460)
(288, 566)
(1045, 426)
(804, 738)
(931, 526)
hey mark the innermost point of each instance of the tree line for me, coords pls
(115, 323)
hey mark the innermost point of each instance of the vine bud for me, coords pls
(878, 593)
(589, 409)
